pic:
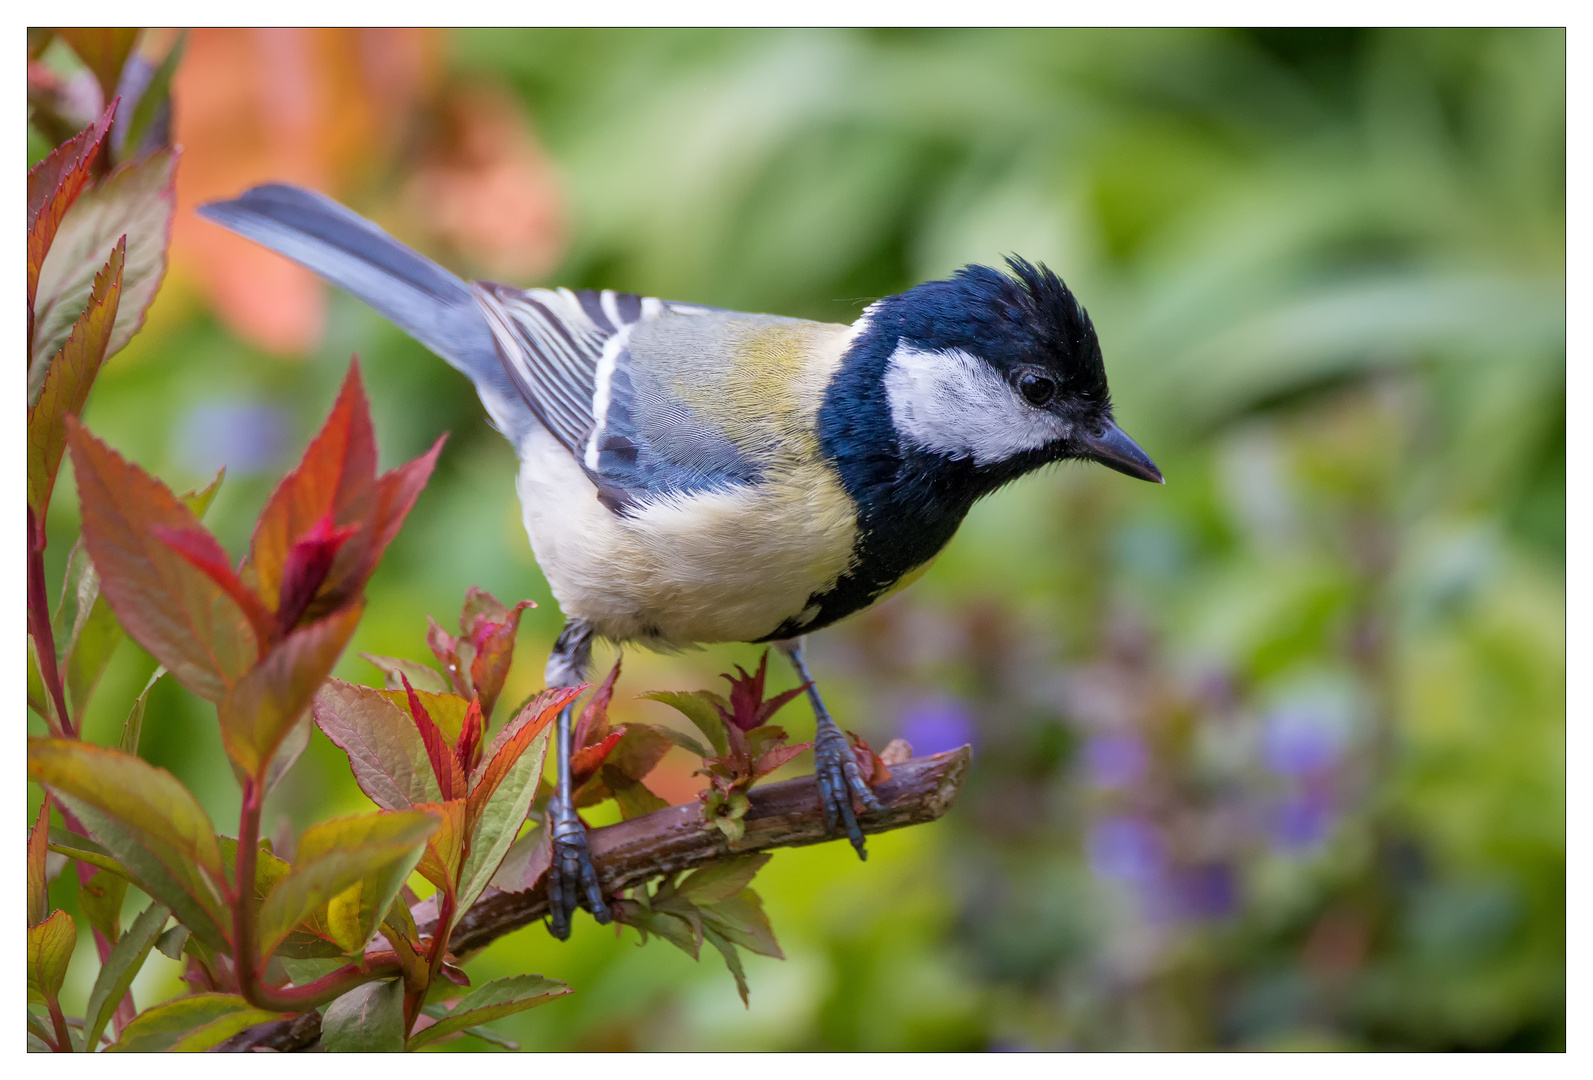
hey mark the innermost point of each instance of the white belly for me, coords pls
(721, 566)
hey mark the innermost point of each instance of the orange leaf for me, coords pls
(183, 618)
(336, 476)
(513, 740)
(201, 551)
(53, 186)
(470, 732)
(67, 382)
(446, 848)
(588, 759)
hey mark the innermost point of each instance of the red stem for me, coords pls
(63, 1036)
(39, 627)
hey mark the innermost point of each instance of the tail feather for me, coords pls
(426, 301)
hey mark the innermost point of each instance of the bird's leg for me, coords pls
(572, 879)
(835, 767)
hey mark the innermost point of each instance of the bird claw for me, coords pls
(840, 782)
(572, 877)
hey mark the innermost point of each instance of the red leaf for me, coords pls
(306, 567)
(775, 758)
(336, 478)
(67, 382)
(494, 642)
(748, 710)
(513, 740)
(182, 617)
(446, 649)
(468, 747)
(874, 770)
(201, 551)
(444, 765)
(593, 724)
(587, 760)
(53, 186)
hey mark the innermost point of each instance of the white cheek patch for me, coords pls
(955, 404)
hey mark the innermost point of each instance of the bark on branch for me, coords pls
(667, 841)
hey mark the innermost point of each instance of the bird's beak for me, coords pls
(1113, 448)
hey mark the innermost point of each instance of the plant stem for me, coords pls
(43, 634)
(63, 1034)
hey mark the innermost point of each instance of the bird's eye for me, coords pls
(1037, 389)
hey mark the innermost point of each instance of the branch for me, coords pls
(668, 841)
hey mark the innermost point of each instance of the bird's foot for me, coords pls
(572, 878)
(840, 781)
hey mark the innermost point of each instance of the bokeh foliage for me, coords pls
(1273, 756)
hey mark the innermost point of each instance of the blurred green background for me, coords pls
(1272, 757)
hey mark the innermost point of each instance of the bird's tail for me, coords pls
(423, 299)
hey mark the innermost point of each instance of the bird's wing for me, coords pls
(567, 353)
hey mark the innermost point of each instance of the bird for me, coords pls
(690, 475)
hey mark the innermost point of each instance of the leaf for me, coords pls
(155, 99)
(444, 762)
(635, 798)
(67, 382)
(94, 633)
(780, 755)
(121, 966)
(640, 751)
(54, 184)
(748, 710)
(369, 1019)
(384, 749)
(494, 642)
(219, 1030)
(38, 883)
(354, 914)
(528, 858)
(396, 494)
(589, 759)
(421, 677)
(514, 739)
(100, 900)
(152, 818)
(486, 1034)
(732, 961)
(133, 726)
(468, 746)
(50, 946)
(200, 550)
(159, 1028)
(682, 740)
(172, 941)
(84, 850)
(492, 1001)
(103, 51)
(593, 724)
(181, 617)
(446, 710)
(702, 708)
(721, 881)
(137, 199)
(333, 856)
(288, 753)
(262, 708)
(741, 919)
(439, 864)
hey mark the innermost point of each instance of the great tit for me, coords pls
(690, 474)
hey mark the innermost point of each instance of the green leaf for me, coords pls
(383, 746)
(335, 855)
(741, 919)
(732, 961)
(161, 1027)
(421, 676)
(259, 712)
(701, 708)
(50, 946)
(199, 500)
(66, 383)
(369, 1019)
(65, 842)
(136, 200)
(120, 967)
(292, 747)
(710, 884)
(219, 1030)
(133, 726)
(172, 941)
(156, 94)
(635, 798)
(496, 999)
(38, 874)
(499, 819)
(144, 818)
(486, 1034)
(447, 710)
(100, 900)
(354, 914)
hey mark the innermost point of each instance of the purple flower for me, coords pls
(246, 437)
(932, 725)
(1301, 739)
(1302, 821)
(1115, 761)
(1207, 891)
(1126, 849)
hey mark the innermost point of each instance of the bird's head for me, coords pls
(1002, 371)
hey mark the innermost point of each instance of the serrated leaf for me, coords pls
(100, 900)
(486, 1034)
(732, 961)
(177, 613)
(67, 382)
(38, 883)
(741, 919)
(50, 946)
(440, 755)
(439, 864)
(54, 184)
(136, 200)
(492, 1001)
(701, 709)
(384, 749)
(333, 856)
(369, 1019)
(446, 710)
(720, 881)
(161, 1027)
(420, 676)
(262, 708)
(121, 966)
(144, 817)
